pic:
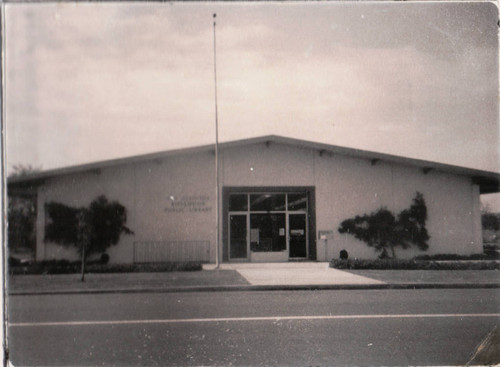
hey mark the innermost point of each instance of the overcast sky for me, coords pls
(94, 81)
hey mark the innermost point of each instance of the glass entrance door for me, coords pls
(268, 237)
(238, 239)
(268, 226)
(297, 226)
(267, 232)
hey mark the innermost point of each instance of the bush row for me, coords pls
(399, 264)
(487, 255)
(73, 267)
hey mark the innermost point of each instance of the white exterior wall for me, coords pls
(477, 228)
(145, 190)
(348, 186)
(175, 200)
(79, 190)
(352, 186)
(344, 187)
(273, 165)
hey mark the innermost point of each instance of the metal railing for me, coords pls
(167, 251)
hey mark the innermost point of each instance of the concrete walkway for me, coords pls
(289, 274)
(252, 277)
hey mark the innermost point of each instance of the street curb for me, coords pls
(253, 288)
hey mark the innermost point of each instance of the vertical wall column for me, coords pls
(40, 225)
(477, 233)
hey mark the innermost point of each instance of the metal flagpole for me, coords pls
(216, 158)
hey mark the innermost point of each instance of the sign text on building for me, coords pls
(189, 204)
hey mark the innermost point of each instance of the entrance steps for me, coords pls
(293, 273)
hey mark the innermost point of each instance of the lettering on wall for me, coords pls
(189, 204)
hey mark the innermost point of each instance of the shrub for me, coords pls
(92, 230)
(21, 218)
(491, 247)
(14, 262)
(382, 230)
(96, 266)
(344, 255)
(104, 258)
(451, 257)
(491, 221)
(396, 264)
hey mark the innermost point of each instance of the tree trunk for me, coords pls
(393, 252)
(83, 263)
(82, 237)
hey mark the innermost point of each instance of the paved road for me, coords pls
(368, 327)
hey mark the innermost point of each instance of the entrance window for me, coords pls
(238, 202)
(267, 232)
(298, 231)
(267, 202)
(297, 202)
(238, 236)
(268, 226)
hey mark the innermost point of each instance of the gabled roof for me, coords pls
(489, 182)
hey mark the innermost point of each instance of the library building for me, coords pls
(271, 199)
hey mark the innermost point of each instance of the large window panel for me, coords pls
(238, 236)
(267, 202)
(267, 232)
(238, 202)
(297, 201)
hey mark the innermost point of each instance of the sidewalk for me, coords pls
(252, 277)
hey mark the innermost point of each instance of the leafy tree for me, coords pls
(92, 230)
(411, 225)
(62, 224)
(21, 217)
(490, 221)
(376, 229)
(21, 170)
(382, 230)
(107, 221)
(21, 213)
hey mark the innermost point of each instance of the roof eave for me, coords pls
(488, 181)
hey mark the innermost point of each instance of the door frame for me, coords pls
(240, 259)
(269, 256)
(310, 216)
(289, 237)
